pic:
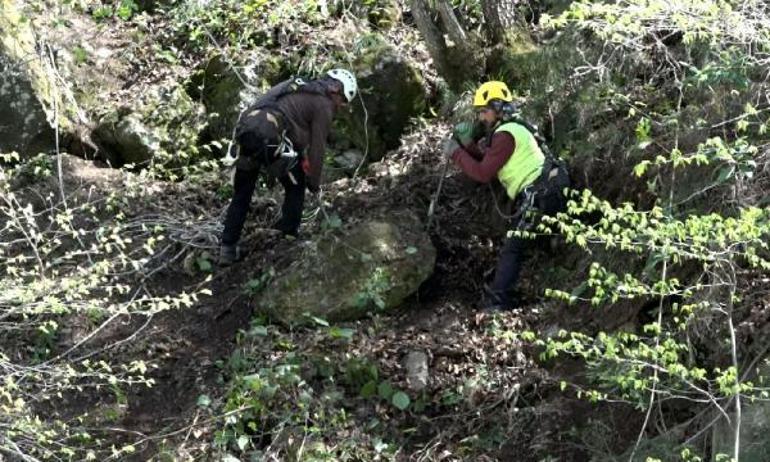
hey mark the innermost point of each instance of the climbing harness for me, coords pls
(554, 174)
(282, 159)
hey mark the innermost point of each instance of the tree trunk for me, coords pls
(434, 39)
(454, 56)
(500, 18)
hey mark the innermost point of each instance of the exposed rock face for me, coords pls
(416, 365)
(373, 266)
(392, 92)
(224, 93)
(24, 127)
(126, 139)
(163, 127)
(24, 124)
(391, 89)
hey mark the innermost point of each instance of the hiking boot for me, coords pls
(493, 308)
(497, 302)
(228, 254)
(285, 229)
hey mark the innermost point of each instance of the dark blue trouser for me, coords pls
(509, 262)
(244, 185)
(513, 253)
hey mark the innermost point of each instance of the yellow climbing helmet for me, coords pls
(491, 90)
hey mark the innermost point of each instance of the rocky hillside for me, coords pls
(641, 333)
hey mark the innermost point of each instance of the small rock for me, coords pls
(349, 160)
(416, 365)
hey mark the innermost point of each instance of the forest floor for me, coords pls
(488, 397)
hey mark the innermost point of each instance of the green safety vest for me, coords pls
(525, 164)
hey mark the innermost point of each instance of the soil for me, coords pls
(189, 346)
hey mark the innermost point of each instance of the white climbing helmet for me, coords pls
(348, 80)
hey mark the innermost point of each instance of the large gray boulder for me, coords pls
(24, 124)
(225, 93)
(126, 139)
(163, 127)
(371, 267)
(392, 90)
(393, 93)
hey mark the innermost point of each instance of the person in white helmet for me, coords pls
(284, 132)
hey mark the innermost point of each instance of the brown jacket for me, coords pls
(308, 120)
(482, 163)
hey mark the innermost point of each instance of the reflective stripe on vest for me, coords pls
(525, 164)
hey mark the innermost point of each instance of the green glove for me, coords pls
(463, 132)
(450, 145)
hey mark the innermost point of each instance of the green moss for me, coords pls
(164, 127)
(372, 267)
(392, 93)
(383, 14)
(17, 44)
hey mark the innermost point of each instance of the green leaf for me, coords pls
(126, 9)
(203, 264)
(319, 321)
(369, 389)
(641, 167)
(80, 55)
(341, 332)
(253, 286)
(385, 390)
(724, 173)
(102, 12)
(242, 442)
(259, 331)
(204, 401)
(400, 400)
(643, 129)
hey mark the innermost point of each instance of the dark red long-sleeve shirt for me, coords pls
(309, 120)
(482, 163)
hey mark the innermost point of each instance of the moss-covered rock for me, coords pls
(372, 266)
(518, 61)
(163, 127)
(384, 14)
(126, 139)
(23, 124)
(27, 92)
(224, 94)
(392, 91)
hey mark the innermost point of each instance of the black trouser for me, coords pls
(244, 185)
(513, 254)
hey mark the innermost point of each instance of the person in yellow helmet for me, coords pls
(505, 149)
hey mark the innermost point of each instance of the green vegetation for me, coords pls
(120, 336)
